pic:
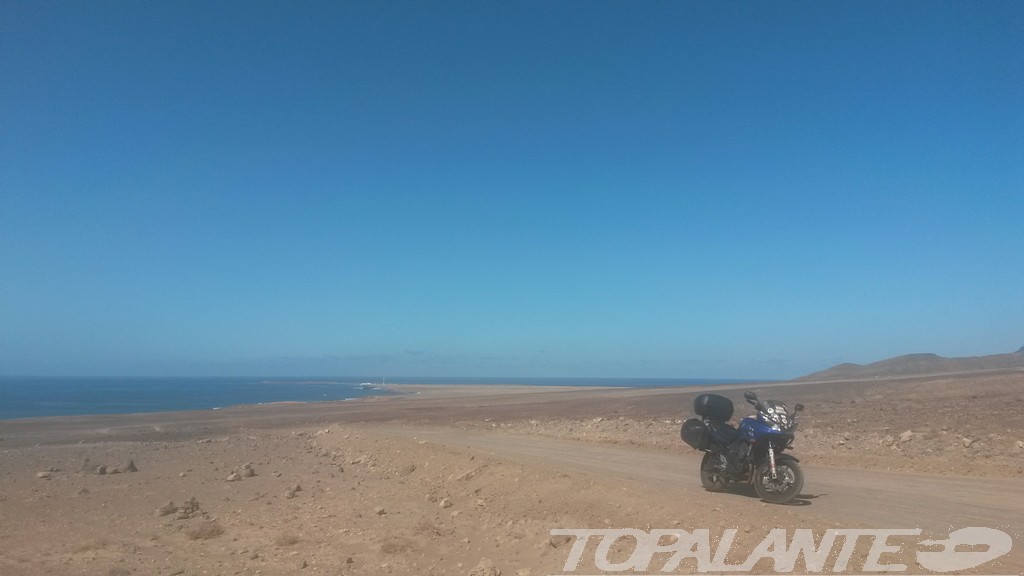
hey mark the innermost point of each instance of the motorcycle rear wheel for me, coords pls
(710, 477)
(787, 485)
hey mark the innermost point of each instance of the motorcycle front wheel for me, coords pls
(788, 482)
(710, 477)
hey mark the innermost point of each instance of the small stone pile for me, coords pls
(247, 471)
(189, 509)
(102, 469)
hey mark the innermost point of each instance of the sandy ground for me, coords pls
(470, 480)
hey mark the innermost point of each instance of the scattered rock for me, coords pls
(101, 470)
(559, 541)
(191, 506)
(166, 509)
(485, 568)
(289, 493)
(906, 437)
(379, 511)
(233, 477)
(445, 503)
(204, 531)
(407, 469)
(1020, 444)
(468, 474)
(129, 467)
(295, 488)
(190, 509)
(968, 442)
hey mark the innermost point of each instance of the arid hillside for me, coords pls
(919, 365)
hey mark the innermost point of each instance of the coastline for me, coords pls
(41, 396)
(414, 402)
(436, 480)
(444, 404)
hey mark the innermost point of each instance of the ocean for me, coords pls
(31, 397)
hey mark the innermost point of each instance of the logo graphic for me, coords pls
(997, 541)
(663, 552)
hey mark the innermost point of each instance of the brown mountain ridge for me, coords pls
(919, 365)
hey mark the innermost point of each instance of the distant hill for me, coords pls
(919, 364)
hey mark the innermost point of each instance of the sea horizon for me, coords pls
(49, 396)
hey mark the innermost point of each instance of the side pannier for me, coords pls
(695, 433)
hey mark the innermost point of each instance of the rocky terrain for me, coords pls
(338, 500)
(951, 426)
(368, 492)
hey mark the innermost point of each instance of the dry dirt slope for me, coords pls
(373, 500)
(392, 500)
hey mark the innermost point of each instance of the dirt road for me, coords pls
(433, 482)
(869, 497)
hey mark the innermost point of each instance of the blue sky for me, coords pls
(657, 189)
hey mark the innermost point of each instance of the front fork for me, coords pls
(771, 461)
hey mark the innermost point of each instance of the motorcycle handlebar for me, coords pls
(760, 408)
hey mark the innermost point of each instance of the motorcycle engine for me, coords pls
(737, 458)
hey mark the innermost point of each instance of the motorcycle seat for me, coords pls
(723, 430)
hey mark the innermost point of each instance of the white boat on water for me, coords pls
(372, 385)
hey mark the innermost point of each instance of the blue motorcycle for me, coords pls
(751, 454)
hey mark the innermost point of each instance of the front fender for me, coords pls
(782, 457)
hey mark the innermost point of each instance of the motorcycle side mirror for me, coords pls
(750, 396)
(799, 407)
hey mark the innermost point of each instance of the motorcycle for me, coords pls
(751, 454)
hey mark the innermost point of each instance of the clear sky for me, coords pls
(649, 189)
